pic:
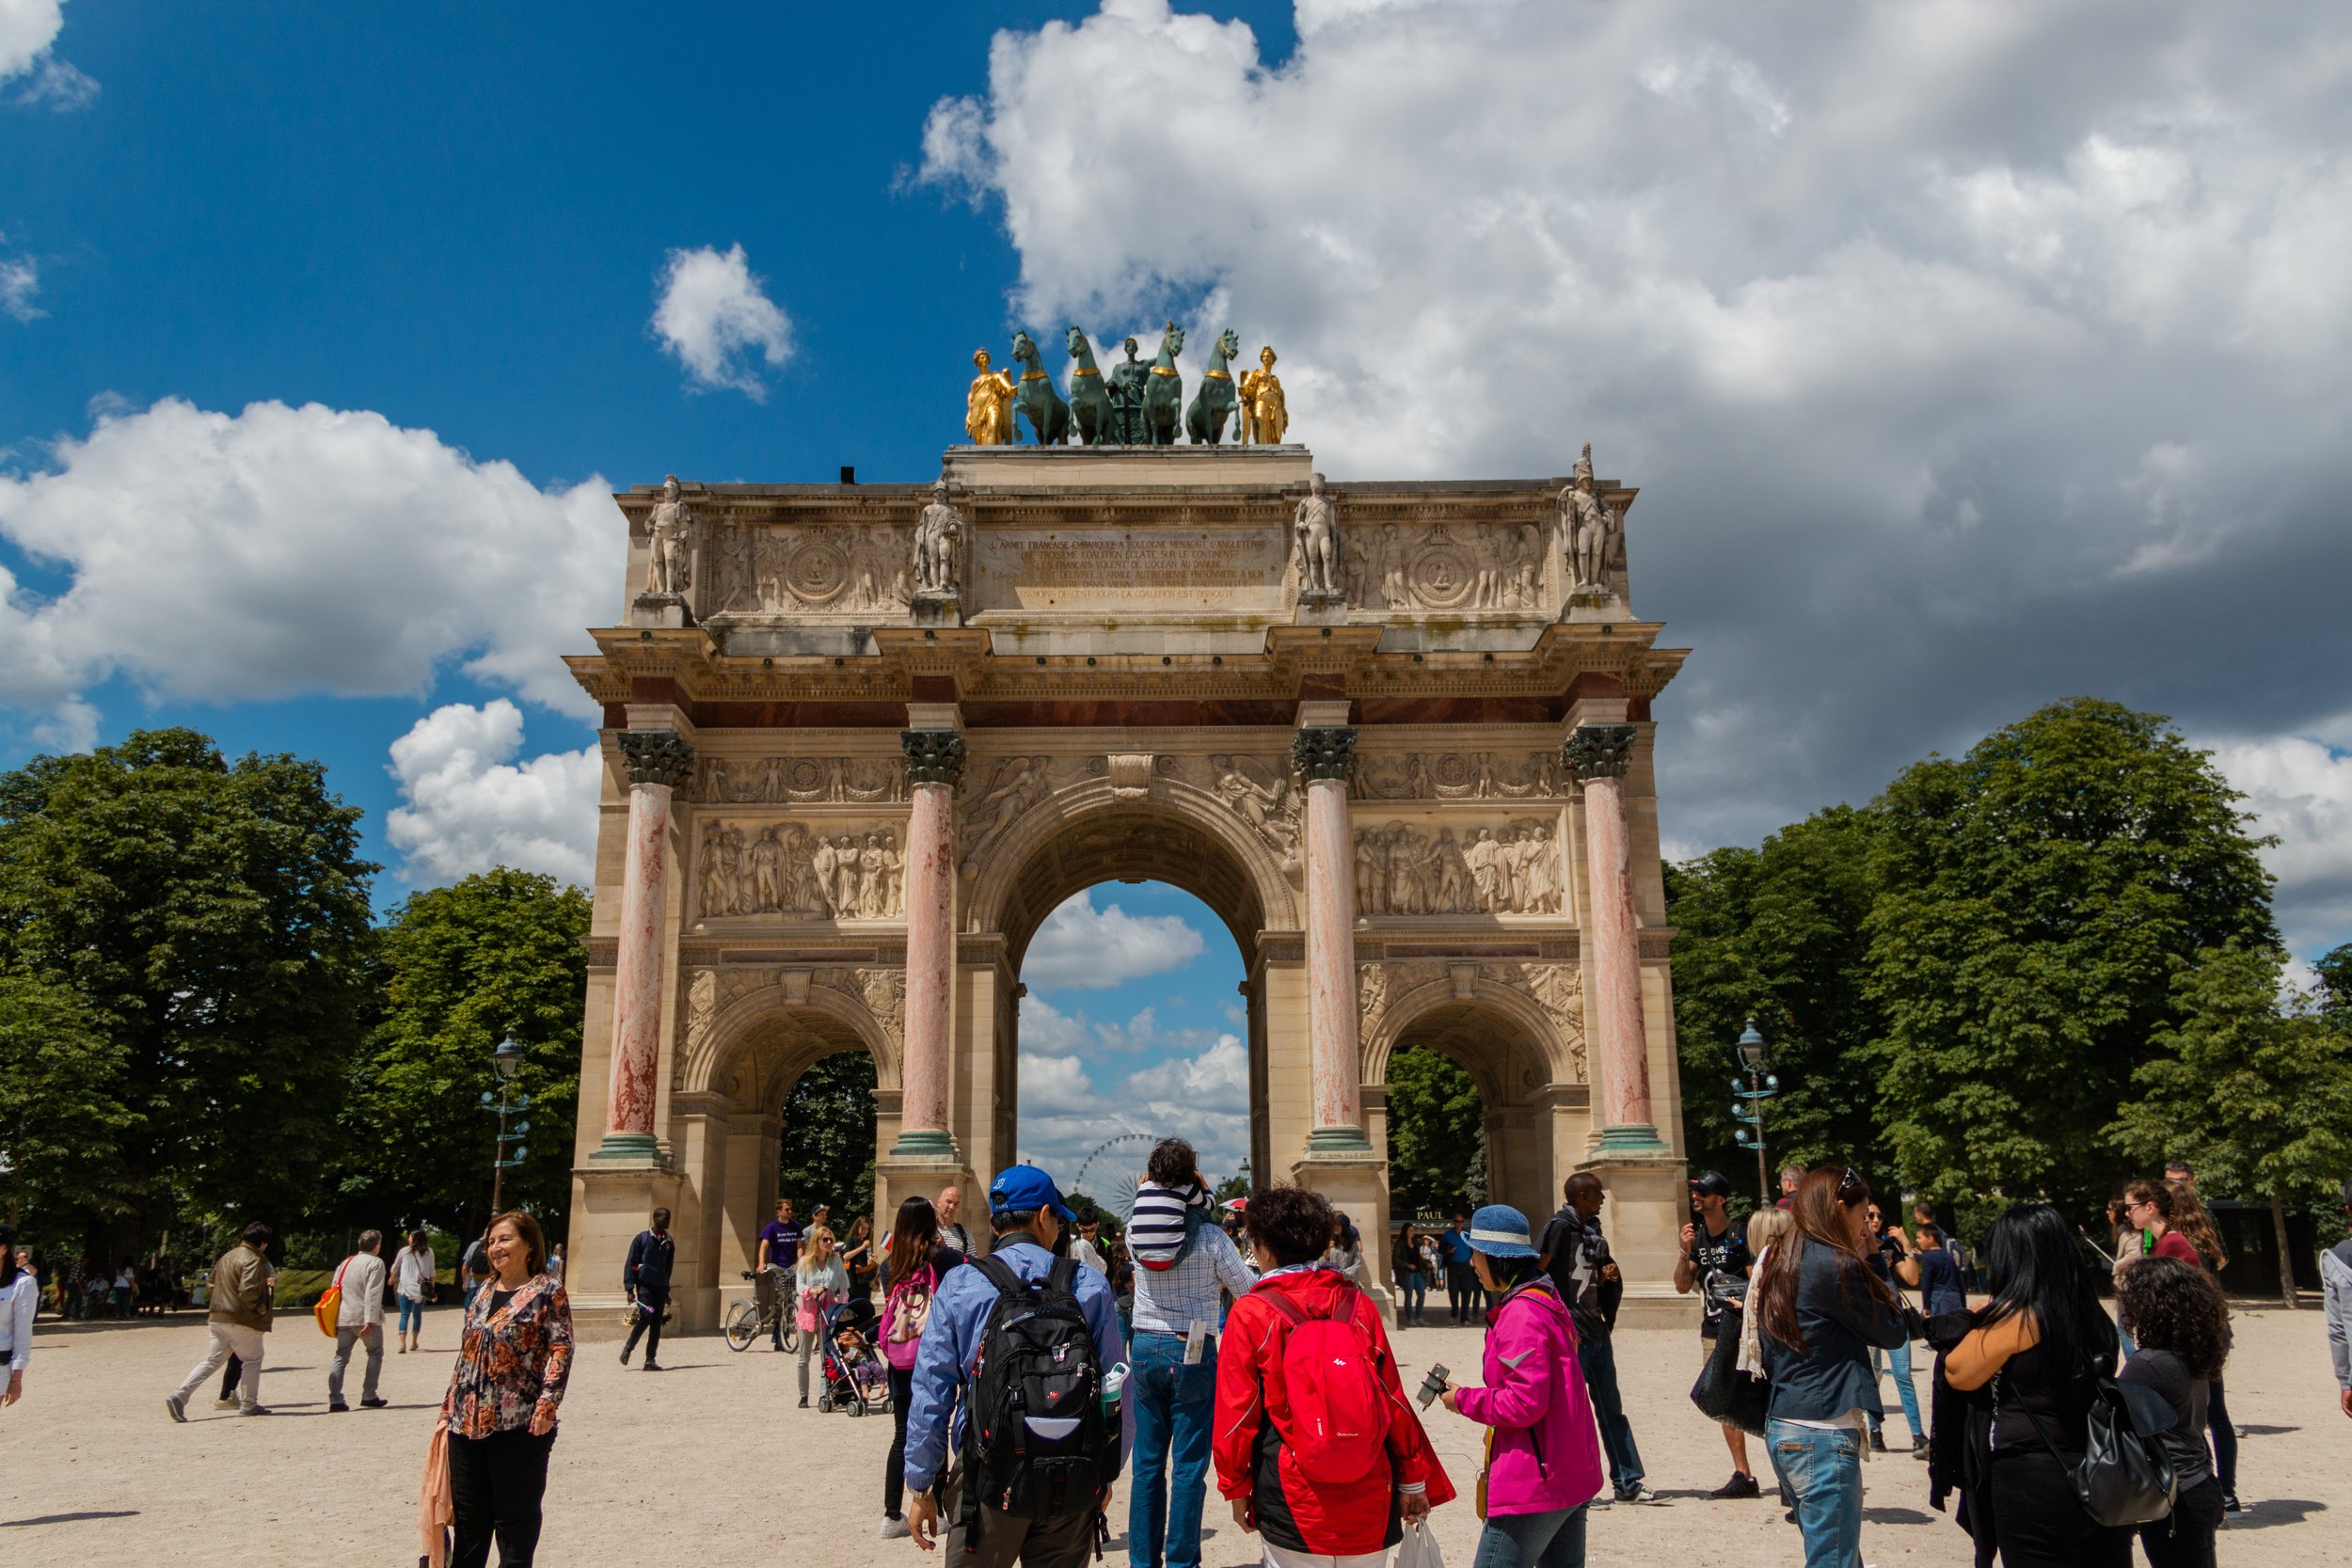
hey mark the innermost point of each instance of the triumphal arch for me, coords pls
(861, 740)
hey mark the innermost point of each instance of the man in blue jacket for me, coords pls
(1027, 1214)
(646, 1278)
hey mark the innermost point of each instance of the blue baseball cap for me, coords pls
(1023, 1187)
(1500, 1231)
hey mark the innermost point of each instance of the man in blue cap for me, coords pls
(1027, 1215)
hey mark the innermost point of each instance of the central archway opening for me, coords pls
(1133, 1026)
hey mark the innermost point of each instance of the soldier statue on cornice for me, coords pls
(1591, 526)
(671, 528)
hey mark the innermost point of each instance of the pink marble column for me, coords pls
(935, 765)
(1324, 755)
(1598, 754)
(655, 761)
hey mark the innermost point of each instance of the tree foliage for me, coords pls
(1776, 934)
(2035, 900)
(209, 918)
(2256, 1094)
(826, 1153)
(458, 966)
(60, 1114)
(1436, 1134)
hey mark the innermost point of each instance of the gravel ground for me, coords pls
(710, 1462)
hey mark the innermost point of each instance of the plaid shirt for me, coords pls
(1168, 1300)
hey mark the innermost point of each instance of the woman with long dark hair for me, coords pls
(2175, 1312)
(911, 1272)
(2042, 1343)
(1821, 1309)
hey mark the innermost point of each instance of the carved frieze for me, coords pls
(1559, 990)
(995, 801)
(1513, 870)
(1457, 775)
(1260, 793)
(785, 868)
(764, 570)
(800, 781)
(1441, 567)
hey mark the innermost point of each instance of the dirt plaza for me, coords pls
(710, 1461)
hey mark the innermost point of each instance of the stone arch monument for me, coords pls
(860, 740)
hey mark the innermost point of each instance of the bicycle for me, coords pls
(747, 1320)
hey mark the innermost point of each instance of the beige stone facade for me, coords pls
(894, 771)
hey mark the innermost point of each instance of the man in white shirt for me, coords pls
(1082, 1247)
(359, 1320)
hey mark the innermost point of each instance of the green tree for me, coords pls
(2334, 995)
(1776, 934)
(826, 1152)
(211, 917)
(60, 1113)
(1437, 1133)
(2035, 899)
(2256, 1093)
(458, 968)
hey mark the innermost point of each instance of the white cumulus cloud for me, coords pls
(2301, 786)
(280, 551)
(60, 85)
(471, 806)
(27, 28)
(1203, 1097)
(1080, 947)
(1969, 356)
(20, 280)
(713, 316)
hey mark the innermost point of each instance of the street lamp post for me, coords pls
(508, 1060)
(1747, 1105)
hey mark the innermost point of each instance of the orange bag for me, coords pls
(330, 1306)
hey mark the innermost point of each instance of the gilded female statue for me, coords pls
(988, 407)
(1264, 417)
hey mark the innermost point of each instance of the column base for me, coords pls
(1632, 1138)
(897, 1178)
(1650, 1202)
(1356, 1183)
(631, 1148)
(1337, 1140)
(926, 1147)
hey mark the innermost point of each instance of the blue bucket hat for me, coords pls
(1020, 1188)
(1500, 1231)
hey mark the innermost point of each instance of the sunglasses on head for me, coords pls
(1851, 1185)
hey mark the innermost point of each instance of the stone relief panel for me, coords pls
(710, 992)
(779, 868)
(1442, 566)
(1511, 869)
(1260, 792)
(996, 797)
(765, 569)
(800, 781)
(1457, 776)
(1558, 988)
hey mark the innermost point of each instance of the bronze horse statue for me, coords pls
(1049, 417)
(1090, 400)
(1163, 394)
(1215, 403)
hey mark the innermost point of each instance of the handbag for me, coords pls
(2125, 1478)
(806, 1315)
(330, 1305)
(1725, 1394)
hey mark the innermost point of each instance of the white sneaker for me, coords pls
(894, 1529)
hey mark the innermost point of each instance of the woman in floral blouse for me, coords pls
(503, 1396)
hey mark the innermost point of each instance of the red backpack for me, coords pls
(1339, 1411)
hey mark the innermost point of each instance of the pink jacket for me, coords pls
(1545, 1452)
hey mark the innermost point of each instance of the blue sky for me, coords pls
(1965, 358)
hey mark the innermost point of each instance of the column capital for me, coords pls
(1327, 751)
(934, 756)
(656, 757)
(1598, 751)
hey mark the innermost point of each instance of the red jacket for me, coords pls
(1252, 1411)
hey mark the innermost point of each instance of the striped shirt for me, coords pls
(1169, 1301)
(1155, 1226)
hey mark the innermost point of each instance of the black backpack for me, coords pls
(2125, 1477)
(1035, 1444)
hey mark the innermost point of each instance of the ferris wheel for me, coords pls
(1122, 1170)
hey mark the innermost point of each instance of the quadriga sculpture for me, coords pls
(1089, 400)
(1048, 415)
(1215, 403)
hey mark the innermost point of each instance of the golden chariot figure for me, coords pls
(1264, 417)
(988, 407)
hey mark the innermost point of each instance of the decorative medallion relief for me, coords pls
(800, 781)
(782, 868)
(1457, 775)
(1444, 566)
(1512, 870)
(764, 570)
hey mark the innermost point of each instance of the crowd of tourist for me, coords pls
(1238, 1344)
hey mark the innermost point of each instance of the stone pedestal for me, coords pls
(897, 1178)
(937, 609)
(1324, 754)
(1356, 1185)
(1649, 1201)
(1320, 609)
(1589, 605)
(657, 761)
(611, 1203)
(1597, 754)
(934, 764)
(664, 612)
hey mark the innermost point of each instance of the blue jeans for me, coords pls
(1825, 1469)
(1900, 1359)
(411, 1314)
(1174, 1408)
(1416, 1288)
(1554, 1540)
(1599, 1358)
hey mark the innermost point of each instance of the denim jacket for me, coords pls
(1839, 1321)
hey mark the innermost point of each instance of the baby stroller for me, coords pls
(856, 1379)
